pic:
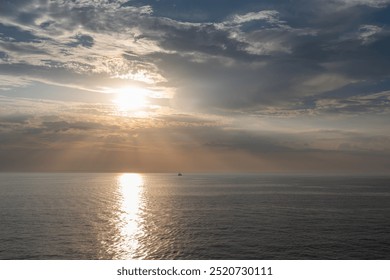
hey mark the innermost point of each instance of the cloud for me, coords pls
(370, 3)
(60, 25)
(370, 103)
(367, 33)
(13, 33)
(267, 82)
(82, 40)
(262, 57)
(269, 16)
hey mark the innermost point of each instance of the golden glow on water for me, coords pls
(131, 186)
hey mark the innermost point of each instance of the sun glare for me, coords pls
(131, 99)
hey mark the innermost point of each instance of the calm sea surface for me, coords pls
(195, 216)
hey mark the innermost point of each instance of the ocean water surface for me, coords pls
(194, 216)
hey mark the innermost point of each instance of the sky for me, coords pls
(195, 86)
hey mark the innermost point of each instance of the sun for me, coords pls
(131, 99)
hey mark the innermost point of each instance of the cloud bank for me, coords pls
(283, 86)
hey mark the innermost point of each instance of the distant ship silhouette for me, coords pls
(179, 174)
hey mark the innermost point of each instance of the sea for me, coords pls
(92, 216)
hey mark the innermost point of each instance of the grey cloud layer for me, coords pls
(81, 135)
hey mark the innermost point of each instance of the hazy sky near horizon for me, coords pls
(168, 85)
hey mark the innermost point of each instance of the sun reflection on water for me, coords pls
(132, 191)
